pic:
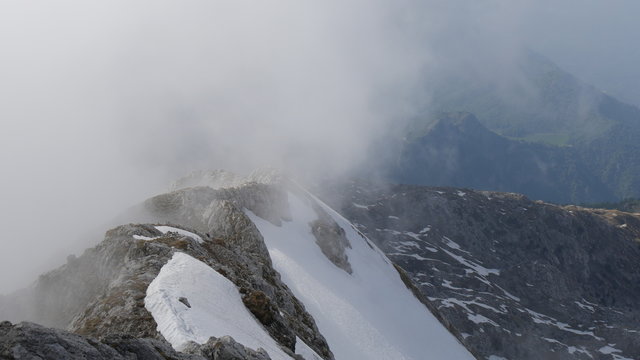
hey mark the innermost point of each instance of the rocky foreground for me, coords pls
(31, 341)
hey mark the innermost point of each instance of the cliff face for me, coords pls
(518, 279)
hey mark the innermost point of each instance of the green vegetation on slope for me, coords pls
(585, 143)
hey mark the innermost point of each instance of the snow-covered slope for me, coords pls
(368, 314)
(192, 302)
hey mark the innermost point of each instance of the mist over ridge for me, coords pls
(105, 104)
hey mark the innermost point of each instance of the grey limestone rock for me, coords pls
(101, 293)
(226, 348)
(237, 248)
(512, 277)
(31, 341)
(331, 239)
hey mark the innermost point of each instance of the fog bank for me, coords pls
(103, 104)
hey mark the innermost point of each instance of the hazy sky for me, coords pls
(596, 40)
(103, 104)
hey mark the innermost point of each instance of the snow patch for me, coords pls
(216, 307)
(585, 306)
(450, 243)
(572, 350)
(479, 319)
(168, 229)
(305, 351)
(477, 268)
(366, 207)
(508, 294)
(465, 304)
(553, 341)
(544, 319)
(429, 248)
(410, 244)
(413, 235)
(608, 349)
(415, 256)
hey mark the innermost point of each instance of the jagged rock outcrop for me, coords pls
(102, 292)
(31, 341)
(331, 239)
(226, 348)
(515, 278)
(219, 214)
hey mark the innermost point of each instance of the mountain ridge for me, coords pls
(457, 150)
(587, 132)
(291, 268)
(520, 279)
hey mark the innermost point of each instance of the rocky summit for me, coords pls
(515, 278)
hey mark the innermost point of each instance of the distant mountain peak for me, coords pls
(462, 121)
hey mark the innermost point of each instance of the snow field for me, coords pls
(167, 229)
(367, 315)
